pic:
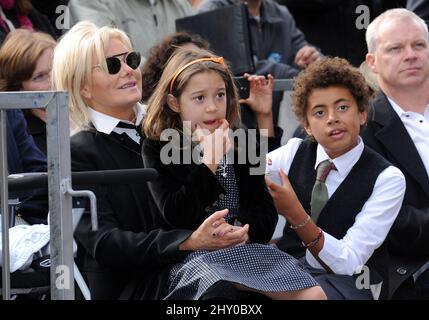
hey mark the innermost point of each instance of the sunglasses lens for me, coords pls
(133, 60)
(113, 65)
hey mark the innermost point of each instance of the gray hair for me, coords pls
(373, 30)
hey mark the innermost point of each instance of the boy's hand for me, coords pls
(283, 195)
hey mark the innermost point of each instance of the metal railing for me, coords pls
(60, 201)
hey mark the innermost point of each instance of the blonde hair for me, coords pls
(372, 33)
(159, 115)
(19, 54)
(74, 58)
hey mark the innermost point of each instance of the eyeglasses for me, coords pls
(132, 60)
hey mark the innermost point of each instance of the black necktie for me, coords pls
(125, 125)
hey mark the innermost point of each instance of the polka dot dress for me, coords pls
(257, 266)
(226, 177)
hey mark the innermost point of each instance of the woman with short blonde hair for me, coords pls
(75, 56)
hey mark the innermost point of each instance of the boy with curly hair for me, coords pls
(339, 197)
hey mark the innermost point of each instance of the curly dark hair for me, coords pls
(159, 55)
(324, 73)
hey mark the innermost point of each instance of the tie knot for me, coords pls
(323, 170)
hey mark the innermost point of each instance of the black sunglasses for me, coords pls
(132, 59)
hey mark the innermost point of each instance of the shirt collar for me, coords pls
(106, 124)
(398, 109)
(343, 163)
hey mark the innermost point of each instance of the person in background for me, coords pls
(24, 156)
(338, 27)
(278, 46)
(16, 14)
(398, 129)
(25, 65)
(54, 11)
(159, 55)
(145, 21)
(195, 3)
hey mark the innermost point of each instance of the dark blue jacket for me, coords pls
(24, 156)
(22, 153)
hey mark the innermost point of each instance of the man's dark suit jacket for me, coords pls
(408, 239)
(129, 256)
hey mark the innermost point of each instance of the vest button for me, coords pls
(401, 271)
(221, 196)
(207, 209)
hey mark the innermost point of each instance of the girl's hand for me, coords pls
(238, 234)
(261, 94)
(214, 145)
(214, 234)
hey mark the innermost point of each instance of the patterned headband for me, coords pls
(219, 60)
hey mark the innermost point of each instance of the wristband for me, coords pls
(314, 242)
(302, 224)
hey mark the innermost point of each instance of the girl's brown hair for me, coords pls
(18, 56)
(160, 116)
(159, 55)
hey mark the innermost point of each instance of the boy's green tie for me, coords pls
(319, 195)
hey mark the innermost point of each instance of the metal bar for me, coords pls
(283, 84)
(81, 283)
(4, 207)
(26, 99)
(60, 202)
(93, 203)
